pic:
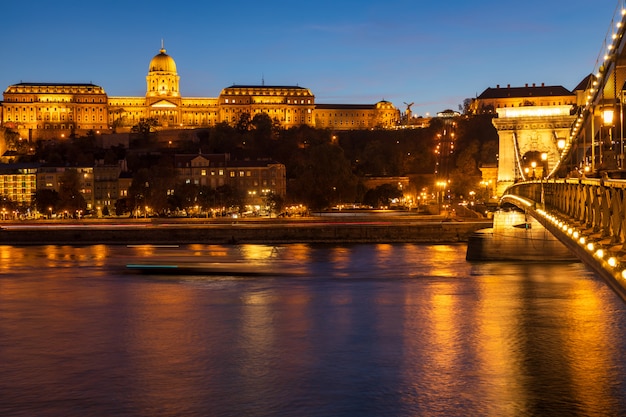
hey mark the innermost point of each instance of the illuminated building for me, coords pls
(356, 116)
(40, 111)
(108, 186)
(59, 109)
(255, 178)
(291, 106)
(492, 99)
(49, 178)
(18, 183)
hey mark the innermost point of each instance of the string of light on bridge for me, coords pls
(595, 248)
(603, 62)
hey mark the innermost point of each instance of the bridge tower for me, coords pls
(530, 141)
(532, 121)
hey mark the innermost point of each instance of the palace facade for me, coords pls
(55, 110)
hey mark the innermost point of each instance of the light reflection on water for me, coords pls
(369, 330)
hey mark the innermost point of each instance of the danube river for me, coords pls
(346, 330)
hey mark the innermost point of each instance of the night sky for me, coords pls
(434, 54)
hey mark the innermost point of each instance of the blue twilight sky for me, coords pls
(434, 54)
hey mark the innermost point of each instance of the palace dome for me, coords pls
(162, 63)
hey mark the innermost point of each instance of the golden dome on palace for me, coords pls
(162, 63)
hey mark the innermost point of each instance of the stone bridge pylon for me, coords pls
(531, 139)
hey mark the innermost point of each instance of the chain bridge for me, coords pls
(581, 198)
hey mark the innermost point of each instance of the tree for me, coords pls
(139, 190)
(466, 176)
(46, 200)
(145, 126)
(243, 124)
(146, 132)
(228, 196)
(185, 196)
(382, 195)
(123, 206)
(12, 139)
(262, 133)
(70, 198)
(465, 107)
(274, 203)
(7, 205)
(325, 178)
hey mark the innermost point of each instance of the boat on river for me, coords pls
(215, 268)
(172, 260)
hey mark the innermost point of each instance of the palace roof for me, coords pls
(526, 91)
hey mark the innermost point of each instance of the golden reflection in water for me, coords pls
(257, 252)
(54, 256)
(298, 253)
(384, 252)
(258, 329)
(440, 260)
(340, 258)
(10, 256)
(446, 349)
(497, 320)
(99, 254)
(587, 346)
(435, 319)
(68, 256)
(161, 334)
(513, 319)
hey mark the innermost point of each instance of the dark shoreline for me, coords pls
(239, 232)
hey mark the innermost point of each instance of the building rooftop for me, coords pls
(345, 106)
(526, 91)
(21, 84)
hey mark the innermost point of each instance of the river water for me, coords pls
(356, 330)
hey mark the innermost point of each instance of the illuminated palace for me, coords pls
(49, 110)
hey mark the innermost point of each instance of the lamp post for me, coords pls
(544, 160)
(487, 191)
(608, 114)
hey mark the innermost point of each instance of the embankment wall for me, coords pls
(442, 232)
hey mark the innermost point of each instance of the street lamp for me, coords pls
(608, 114)
(487, 192)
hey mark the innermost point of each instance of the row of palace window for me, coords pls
(322, 115)
(54, 118)
(63, 127)
(55, 109)
(554, 103)
(247, 101)
(283, 119)
(341, 122)
(55, 100)
(232, 174)
(268, 92)
(295, 111)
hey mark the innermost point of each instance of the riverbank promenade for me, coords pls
(343, 227)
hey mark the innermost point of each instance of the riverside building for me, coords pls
(56, 110)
